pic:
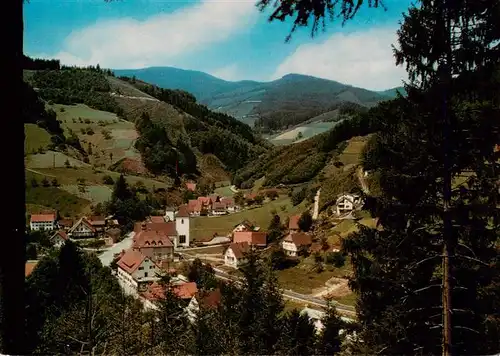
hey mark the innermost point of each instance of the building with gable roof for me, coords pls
(43, 221)
(136, 270)
(235, 254)
(253, 238)
(296, 243)
(82, 229)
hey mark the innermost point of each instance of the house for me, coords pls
(136, 270)
(231, 206)
(43, 221)
(157, 219)
(296, 244)
(59, 238)
(245, 225)
(203, 299)
(347, 203)
(112, 236)
(98, 222)
(316, 316)
(176, 224)
(191, 186)
(235, 254)
(293, 224)
(156, 244)
(253, 238)
(169, 213)
(155, 292)
(65, 224)
(219, 208)
(29, 267)
(82, 229)
(194, 207)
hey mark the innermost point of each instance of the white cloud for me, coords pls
(230, 72)
(160, 39)
(364, 59)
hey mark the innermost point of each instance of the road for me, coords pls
(134, 97)
(362, 181)
(288, 294)
(107, 256)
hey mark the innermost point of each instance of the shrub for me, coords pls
(62, 109)
(336, 259)
(107, 179)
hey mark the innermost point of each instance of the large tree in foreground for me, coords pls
(428, 280)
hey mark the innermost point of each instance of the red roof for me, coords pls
(29, 267)
(151, 239)
(191, 186)
(168, 228)
(131, 260)
(219, 206)
(209, 299)
(294, 222)
(239, 248)
(299, 239)
(204, 200)
(97, 220)
(43, 217)
(183, 212)
(62, 234)
(85, 222)
(157, 219)
(184, 291)
(65, 222)
(227, 201)
(194, 206)
(251, 237)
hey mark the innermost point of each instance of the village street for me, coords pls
(107, 256)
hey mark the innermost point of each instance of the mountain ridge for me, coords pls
(272, 105)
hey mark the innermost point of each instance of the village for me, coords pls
(160, 244)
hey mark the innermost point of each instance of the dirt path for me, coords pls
(336, 287)
(42, 174)
(134, 97)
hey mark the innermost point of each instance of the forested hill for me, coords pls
(176, 133)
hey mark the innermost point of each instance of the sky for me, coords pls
(229, 39)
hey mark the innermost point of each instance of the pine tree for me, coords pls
(425, 278)
(298, 335)
(329, 340)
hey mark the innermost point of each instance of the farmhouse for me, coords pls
(82, 229)
(235, 254)
(347, 203)
(98, 222)
(231, 207)
(155, 244)
(59, 238)
(155, 292)
(43, 221)
(191, 186)
(137, 270)
(253, 238)
(194, 207)
(203, 299)
(245, 225)
(219, 208)
(65, 224)
(296, 244)
(293, 224)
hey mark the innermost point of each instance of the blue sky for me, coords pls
(229, 39)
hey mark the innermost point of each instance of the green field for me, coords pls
(54, 198)
(94, 177)
(203, 228)
(307, 131)
(111, 135)
(35, 138)
(94, 193)
(224, 191)
(51, 159)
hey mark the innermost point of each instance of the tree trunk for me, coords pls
(12, 260)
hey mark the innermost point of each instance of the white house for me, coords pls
(245, 225)
(43, 222)
(169, 214)
(295, 243)
(347, 203)
(59, 238)
(134, 269)
(82, 229)
(206, 299)
(184, 289)
(317, 315)
(235, 254)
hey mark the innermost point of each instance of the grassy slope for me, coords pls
(54, 198)
(35, 138)
(203, 228)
